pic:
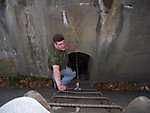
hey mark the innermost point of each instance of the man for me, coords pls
(62, 75)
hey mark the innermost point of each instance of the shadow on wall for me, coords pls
(79, 62)
(2, 3)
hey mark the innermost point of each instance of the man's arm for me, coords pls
(57, 77)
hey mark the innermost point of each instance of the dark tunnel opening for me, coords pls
(79, 62)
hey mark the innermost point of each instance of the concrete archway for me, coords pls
(79, 61)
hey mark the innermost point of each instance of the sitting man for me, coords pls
(62, 75)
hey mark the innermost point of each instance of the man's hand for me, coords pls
(61, 88)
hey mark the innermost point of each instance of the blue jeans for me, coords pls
(67, 75)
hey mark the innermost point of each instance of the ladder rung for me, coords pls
(81, 97)
(80, 92)
(86, 105)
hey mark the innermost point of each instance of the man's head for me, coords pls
(59, 42)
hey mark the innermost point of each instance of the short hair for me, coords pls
(58, 38)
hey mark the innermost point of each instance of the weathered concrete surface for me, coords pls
(128, 56)
(29, 35)
(37, 96)
(6, 49)
(138, 105)
(23, 105)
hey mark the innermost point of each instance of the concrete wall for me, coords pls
(129, 54)
(114, 34)
(28, 35)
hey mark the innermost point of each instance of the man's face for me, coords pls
(60, 45)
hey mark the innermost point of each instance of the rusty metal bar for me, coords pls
(82, 97)
(87, 105)
(83, 90)
(80, 92)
